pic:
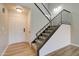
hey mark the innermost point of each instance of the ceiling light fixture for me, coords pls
(19, 9)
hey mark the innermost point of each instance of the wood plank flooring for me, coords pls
(66, 51)
(20, 49)
(23, 49)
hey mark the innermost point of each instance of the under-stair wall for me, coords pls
(60, 39)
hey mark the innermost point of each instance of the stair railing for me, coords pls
(55, 21)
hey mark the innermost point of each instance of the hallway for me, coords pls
(20, 49)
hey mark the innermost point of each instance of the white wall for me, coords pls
(52, 6)
(43, 9)
(73, 7)
(55, 8)
(60, 39)
(3, 29)
(38, 20)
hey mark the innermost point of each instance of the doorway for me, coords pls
(19, 23)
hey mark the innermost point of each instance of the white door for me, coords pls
(17, 27)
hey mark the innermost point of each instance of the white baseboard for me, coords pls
(75, 44)
(4, 50)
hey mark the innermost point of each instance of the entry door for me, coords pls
(16, 28)
(20, 31)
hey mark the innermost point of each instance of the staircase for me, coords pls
(44, 34)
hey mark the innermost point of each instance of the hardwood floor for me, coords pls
(20, 49)
(66, 51)
(23, 49)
